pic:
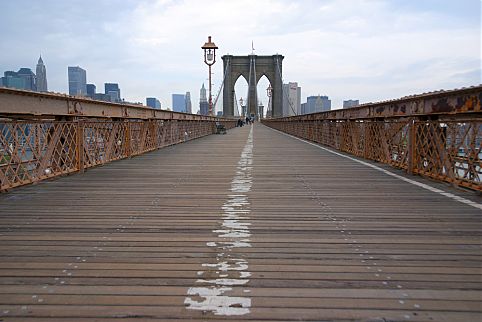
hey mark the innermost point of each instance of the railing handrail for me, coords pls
(15, 103)
(465, 101)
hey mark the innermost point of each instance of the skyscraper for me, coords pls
(41, 76)
(291, 99)
(77, 81)
(188, 103)
(29, 78)
(113, 90)
(179, 103)
(315, 104)
(203, 102)
(153, 102)
(13, 80)
(350, 103)
(91, 90)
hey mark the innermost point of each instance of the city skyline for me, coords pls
(370, 50)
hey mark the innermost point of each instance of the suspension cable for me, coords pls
(284, 93)
(222, 84)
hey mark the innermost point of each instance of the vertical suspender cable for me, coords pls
(284, 93)
(222, 85)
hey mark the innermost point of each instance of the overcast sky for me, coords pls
(369, 50)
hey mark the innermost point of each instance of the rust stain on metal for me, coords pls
(380, 110)
(53, 148)
(27, 104)
(74, 107)
(444, 150)
(441, 106)
(128, 240)
(467, 104)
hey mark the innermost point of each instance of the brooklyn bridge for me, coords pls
(114, 211)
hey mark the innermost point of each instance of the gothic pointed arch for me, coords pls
(269, 66)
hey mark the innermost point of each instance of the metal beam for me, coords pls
(465, 101)
(27, 104)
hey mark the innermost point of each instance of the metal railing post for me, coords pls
(367, 139)
(411, 146)
(128, 139)
(80, 146)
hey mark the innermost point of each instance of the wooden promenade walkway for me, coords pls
(251, 225)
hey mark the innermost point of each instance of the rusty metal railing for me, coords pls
(41, 146)
(441, 143)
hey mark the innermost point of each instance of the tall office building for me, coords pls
(102, 97)
(203, 102)
(77, 81)
(41, 76)
(188, 103)
(92, 93)
(29, 78)
(113, 90)
(325, 103)
(12, 79)
(291, 99)
(315, 104)
(179, 103)
(153, 102)
(350, 103)
(90, 90)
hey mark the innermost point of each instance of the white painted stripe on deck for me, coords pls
(416, 183)
(230, 271)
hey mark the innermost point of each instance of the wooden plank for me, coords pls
(304, 314)
(330, 239)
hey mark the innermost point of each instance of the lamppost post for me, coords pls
(209, 59)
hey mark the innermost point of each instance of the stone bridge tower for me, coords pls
(237, 66)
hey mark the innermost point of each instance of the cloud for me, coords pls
(366, 49)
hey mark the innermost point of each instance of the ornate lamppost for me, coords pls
(210, 58)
